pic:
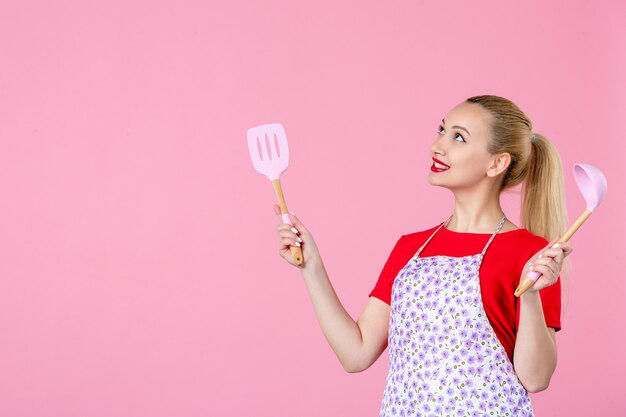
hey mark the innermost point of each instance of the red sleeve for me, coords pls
(382, 289)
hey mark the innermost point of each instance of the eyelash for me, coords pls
(439, 131)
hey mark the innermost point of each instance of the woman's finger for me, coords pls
(548, 262)
(567, 250)
(558, 253)
(552, 252)
(297, 223)
(289, 234)
(555, 255)
(289, 241)
(545, 251)
(286, 226)
(542, 282)
(286, 233)
(546, 274)
(287, 230)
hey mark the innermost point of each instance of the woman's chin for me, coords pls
(434, 180)
(437, 182)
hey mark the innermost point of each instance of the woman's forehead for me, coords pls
(473, 117)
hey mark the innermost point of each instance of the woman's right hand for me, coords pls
(302, 237)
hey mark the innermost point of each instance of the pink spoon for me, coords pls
(592, 185)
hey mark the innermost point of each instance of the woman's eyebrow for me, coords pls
(456, 127)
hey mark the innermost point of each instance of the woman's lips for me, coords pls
(439, 166)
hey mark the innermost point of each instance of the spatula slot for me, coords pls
(258, 145)
(276, 147)
(267, 145)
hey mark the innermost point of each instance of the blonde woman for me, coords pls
(459, 342)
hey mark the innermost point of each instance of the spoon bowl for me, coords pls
(591, 183)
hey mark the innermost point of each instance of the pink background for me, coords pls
(139, 273)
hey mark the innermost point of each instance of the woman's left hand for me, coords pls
(548, 262)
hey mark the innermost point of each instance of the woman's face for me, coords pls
(459, 152)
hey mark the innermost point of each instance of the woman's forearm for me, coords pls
(535, 354)
(356, 346)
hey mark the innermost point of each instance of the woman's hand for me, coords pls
(295, 235)
(548, 262)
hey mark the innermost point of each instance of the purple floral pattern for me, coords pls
(444, 357)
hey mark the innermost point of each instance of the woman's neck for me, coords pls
(475, 212)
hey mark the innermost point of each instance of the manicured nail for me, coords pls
(299, 239)
(293, 229)
(555, 246)
(297, 243)
(540, 255)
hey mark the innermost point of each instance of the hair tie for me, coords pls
(533, 138)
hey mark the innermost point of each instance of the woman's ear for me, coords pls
(499, 164)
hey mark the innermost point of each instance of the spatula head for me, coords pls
(268, 149)
(592, 184)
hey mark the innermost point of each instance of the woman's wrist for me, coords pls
(312, 267)
(531, 297)
(531, 301)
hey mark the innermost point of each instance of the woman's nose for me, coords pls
(437, 146)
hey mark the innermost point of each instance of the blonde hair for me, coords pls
(535, 164)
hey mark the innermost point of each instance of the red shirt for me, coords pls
(499, 273)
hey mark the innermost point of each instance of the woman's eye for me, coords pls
(440, 130)
(459, 137)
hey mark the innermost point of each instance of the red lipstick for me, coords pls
(442, 167)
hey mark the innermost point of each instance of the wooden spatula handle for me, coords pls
(296, 251)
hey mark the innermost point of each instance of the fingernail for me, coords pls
(293, 229)
(540, 255)
(299, 239)
(556, 245)
(297, 243)
(292, 213)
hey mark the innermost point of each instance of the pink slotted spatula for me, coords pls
(270, 155)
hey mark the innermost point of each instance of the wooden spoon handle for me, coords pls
(579, 222)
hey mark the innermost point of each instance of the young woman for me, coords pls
(460, 343)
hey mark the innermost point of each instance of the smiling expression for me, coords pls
(459, 152)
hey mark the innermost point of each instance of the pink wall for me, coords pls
(138, 266)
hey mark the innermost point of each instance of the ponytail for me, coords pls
(543, 199)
